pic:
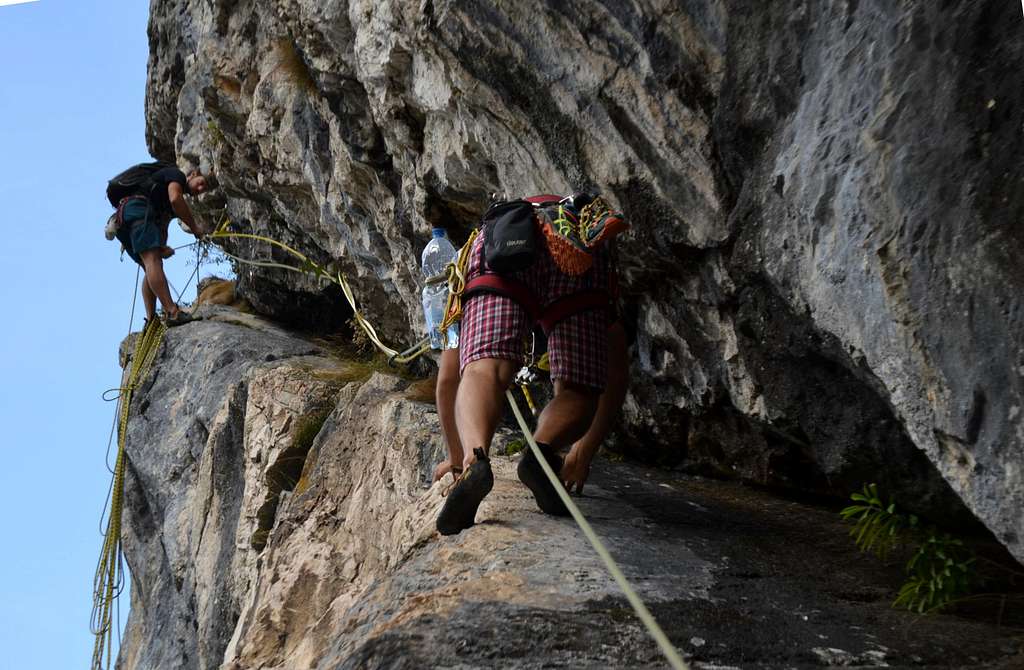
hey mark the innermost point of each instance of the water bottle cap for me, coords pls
(439, 232)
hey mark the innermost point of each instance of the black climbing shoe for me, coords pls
(179, 318)
(531, 474)
(460, 507)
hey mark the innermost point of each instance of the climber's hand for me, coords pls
(575, 470)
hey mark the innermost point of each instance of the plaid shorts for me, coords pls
(494, 326)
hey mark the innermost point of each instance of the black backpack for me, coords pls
(133, 181)
(510, 233)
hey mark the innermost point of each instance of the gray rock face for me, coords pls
(277, 516)
(185, 484)
(823, 281)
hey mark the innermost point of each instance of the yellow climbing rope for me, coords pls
(109, 578)
(645, 616)
(110, 569)
(309, 266)
(456, 286)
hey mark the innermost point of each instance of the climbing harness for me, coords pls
(547, 316)
(109, 579)
(645, 616)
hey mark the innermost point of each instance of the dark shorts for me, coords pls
(494, 326)
(139, 230)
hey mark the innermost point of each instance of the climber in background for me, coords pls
(517, 276)
(147, 197)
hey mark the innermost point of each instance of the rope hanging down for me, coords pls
(645, 616)
(311, 267)
(109, 579)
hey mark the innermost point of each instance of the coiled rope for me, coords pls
(109, 579)
(456, 286)
(310, 267)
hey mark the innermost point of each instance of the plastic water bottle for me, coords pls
(438, 253)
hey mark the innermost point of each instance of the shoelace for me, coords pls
(565, 223)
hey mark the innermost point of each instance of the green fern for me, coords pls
(941, 570)
(877, 528)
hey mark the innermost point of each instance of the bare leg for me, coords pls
(157, 280)
(577, 463)
(568, 415)
(445, 392)
(565, 419)
(479, 403)
(148, 299)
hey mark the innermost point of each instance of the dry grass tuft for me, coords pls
(343, 373)
(294, 66)
(222, 292)
(217, 292)
(422, 391)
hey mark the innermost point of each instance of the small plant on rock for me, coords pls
(940, 572)
(214, 135)
(941, 569)
(877, 528)
(513, 447)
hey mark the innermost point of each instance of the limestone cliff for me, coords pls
(823, 283)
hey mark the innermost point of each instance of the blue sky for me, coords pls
(72, 85)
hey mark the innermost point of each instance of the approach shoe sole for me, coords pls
(532, 475)
(459, 511)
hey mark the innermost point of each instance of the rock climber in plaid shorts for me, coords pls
(495, 327)
(495, 331)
